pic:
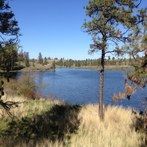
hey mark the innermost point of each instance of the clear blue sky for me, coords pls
(53, 27)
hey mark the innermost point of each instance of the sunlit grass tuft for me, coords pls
(27, 107)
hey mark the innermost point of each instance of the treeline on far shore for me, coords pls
(25, 61)
(92, 62)
(21, 60)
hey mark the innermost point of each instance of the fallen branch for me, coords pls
(8, 105)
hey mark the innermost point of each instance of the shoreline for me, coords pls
(82, 67)
(30, 69)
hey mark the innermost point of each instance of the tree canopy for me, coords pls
(9, 29)
(138, 51)
(9, 32)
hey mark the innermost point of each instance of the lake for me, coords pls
(80, 86)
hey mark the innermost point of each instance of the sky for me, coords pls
(53, 27)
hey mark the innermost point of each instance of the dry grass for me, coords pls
(42, 143)
(27, 107)
(22, 87)
(38, 67)
(116, 130)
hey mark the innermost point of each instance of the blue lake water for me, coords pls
(80, 86)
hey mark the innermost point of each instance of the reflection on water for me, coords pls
(80, 86)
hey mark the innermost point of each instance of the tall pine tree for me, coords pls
(110, 23)
(9, 32)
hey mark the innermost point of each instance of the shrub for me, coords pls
(141, 125)
(23, 86)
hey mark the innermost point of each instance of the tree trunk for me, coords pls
(101, 86)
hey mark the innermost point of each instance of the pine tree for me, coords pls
(9, 29)
(9, 32)
(27, 59)
(40, 58)
(110, 21)
(45, 61)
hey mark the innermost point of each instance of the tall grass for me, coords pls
(71, 127)
(115, 131)
(27, 107)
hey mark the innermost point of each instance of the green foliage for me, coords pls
(92, 62)
(8, 25)
(8, 57)
(9, 32)
(23, 59)
(137, 50)
(26, 59)
(45, 61)
(3, 125)
(77, 63)
(109, 20)
(40, 58)
(138, 76)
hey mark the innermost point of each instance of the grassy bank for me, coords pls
(52, 123)
(38, 67)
